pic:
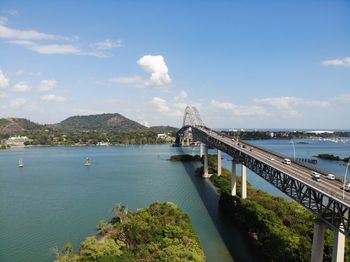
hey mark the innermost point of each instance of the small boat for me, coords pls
(87, 162)
(20, 163)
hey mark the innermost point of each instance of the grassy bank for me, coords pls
(159, 232)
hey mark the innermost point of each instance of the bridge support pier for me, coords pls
(338, 247)
(318, 241)
(233, 179)
(201, 149)
(188, 141)
(192, 150)
(219, 163)
(205, 171)
(244, 182)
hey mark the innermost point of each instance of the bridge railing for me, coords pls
(312, 183)
(322, 172)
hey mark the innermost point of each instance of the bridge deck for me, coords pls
(332, 188)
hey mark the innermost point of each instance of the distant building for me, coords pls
(318, 132)
(17, 140)
(272, 134)
(103, 144)
(162, 136)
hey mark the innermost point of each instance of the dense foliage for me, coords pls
(332, 157)
(185, 158)
(58, 137)
(277, 229)
(86, 130)
(160, 232)
(102, 122)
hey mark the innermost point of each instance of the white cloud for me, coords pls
(47, 85)
(144, 123)
(290, 106)
(160, 105)
(156, 66)
(344, 98)
(337, 62)
(17, 103)
(53, 98)
(4, 81)
(12, 12)
(9, 33)
(21, 72)
(31, 40)
(22, 87)
(61, 49)
(129, 80)
(3, 20)
(239, 110)
(181, 97)
(2, 95)
(108, 44)
(287, 102)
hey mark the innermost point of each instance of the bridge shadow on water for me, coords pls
(233, 238)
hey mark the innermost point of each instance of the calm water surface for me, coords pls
(55, 199)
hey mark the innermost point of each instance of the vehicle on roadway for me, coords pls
(316, 176)
(347, 187)
(331, 177)
(287, 161)
(271, 158)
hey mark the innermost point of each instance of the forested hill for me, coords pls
(15, 125)
(99, 123)
(102, 122)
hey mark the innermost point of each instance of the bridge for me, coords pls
(326, 199)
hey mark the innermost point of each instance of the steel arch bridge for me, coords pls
(326, 199)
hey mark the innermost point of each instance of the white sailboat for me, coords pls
(87, 162)
(20, 163)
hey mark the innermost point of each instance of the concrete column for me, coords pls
(201, 149)
(233, 179)
(192, 150)
(318, 241)
(188, 141)
(219, 162)
(338, 247)
(206, 173)
(244, 182)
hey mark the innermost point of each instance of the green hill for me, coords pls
(99, 123)
(15, 125)
(102, 122)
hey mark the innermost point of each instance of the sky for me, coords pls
(243, 64)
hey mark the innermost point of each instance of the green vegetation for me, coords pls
(160, 232)
(86, 130)
(332, 157)
(64, 138)
(185, 158)
(276, 229)
(102, 122)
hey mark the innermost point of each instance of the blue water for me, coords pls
(55, 199)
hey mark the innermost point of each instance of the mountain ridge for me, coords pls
(105, 122)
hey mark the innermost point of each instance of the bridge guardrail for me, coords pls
(313, 183)
(323, 172)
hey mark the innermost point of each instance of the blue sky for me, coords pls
(276, 64)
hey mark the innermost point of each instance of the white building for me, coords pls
(162, 136)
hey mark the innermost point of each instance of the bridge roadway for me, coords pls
(331, 188)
